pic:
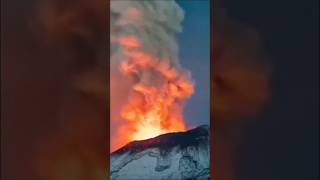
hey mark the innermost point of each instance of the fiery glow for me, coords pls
(152, 109)
(146, 54)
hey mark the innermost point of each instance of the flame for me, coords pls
(153, 108)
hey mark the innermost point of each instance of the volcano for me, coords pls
(171, 156)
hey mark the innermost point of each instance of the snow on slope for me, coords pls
(172, 156)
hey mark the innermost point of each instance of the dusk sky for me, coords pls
(194, 44)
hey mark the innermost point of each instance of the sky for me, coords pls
(194, 44)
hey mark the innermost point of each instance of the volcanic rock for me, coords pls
(172, 156)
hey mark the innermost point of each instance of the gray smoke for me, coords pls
(151, 55)
(155, 23)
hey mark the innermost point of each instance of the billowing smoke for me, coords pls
(148, 85)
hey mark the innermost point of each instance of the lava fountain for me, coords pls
(144, 51)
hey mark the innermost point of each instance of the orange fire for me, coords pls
(155, 105)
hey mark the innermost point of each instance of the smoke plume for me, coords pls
(148, 85)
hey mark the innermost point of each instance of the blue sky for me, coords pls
(194, 43)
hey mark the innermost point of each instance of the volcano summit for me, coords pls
(172, 156)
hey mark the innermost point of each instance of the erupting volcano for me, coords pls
(152, 109)
(144, 52)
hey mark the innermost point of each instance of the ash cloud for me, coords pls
(143, 44)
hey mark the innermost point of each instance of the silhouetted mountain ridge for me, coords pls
(178, 155)
(169, 140)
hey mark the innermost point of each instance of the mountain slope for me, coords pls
(172, 156)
